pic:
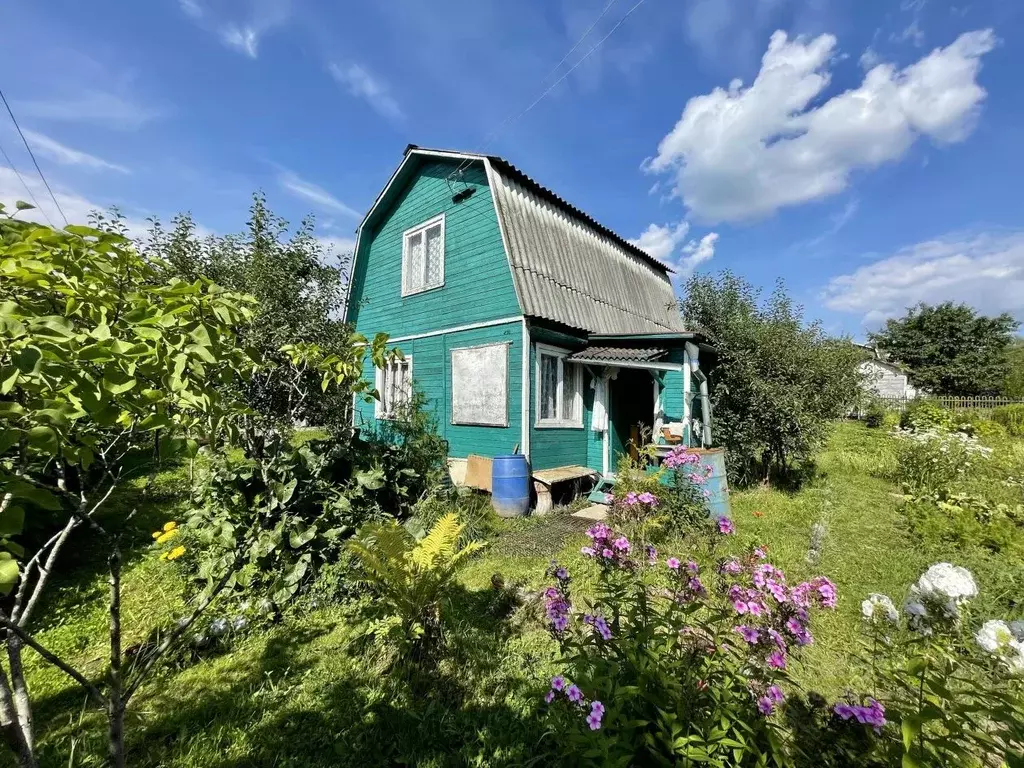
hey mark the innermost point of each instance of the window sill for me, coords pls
(422, 290)
(552, 424)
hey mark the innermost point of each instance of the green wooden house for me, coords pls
(526, 324)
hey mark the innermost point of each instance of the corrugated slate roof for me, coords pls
(620, 354)
(569, 269)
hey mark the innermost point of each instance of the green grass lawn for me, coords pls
(305, 692)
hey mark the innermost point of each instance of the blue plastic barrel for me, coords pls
(510, 485)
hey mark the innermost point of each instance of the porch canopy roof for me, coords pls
(613, 355)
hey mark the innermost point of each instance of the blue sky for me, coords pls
(866, 152)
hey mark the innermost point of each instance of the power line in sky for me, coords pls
(28, 189)
(32, 155)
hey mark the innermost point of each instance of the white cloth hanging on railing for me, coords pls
(599, 417)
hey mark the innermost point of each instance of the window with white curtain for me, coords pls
(423, 256)
(394, 385)
(559, 389)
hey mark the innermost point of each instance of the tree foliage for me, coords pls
(949, 348)
(775, 382)
(299, 297)
(1013, 384)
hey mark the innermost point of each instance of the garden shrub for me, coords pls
(1011, 417)
(874, 414)
(678, 663)
(673, 661)
(967, 519)
(926, 414)
(933, 460)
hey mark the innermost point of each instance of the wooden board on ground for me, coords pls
(478, 473)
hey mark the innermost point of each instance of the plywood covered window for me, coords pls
(480, 385)
(394, 384)
(423, 256)
(559, 389)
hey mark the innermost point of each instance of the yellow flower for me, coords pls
(170, 526)
(175, 553)
(157, 534)
(163, 538)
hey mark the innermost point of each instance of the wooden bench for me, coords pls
(545, 479)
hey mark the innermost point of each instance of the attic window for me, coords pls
(423, 256)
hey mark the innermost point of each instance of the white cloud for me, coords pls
(983, 270)
(243, 30)
(339, 246)
(74, 205)
(65, 155)
(742, 153)
(314, 194)
(94, 107)
(244, 39)
(363, 84)
(666, 244)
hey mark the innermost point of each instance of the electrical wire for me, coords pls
(28, 189)
(512, 117)
(32, 155)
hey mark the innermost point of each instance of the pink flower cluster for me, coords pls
(772, 698)
(781, 615)
(560, 686)
(608, 548)
(873, 713)
(680, 456)
(691, 587)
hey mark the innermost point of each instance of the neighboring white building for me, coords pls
(886, 380)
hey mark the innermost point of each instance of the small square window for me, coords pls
(394, 385)
(423, 256)
(559, 390)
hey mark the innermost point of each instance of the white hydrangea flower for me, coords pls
(994, 636)
(917, 614)
(881, 605)
(1015, 659)
(949, 582)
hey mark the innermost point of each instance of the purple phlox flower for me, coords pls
(551, 593)
(560, 623)
(652, 554)
(725, 526)
(557, 683)
(873, 713)
(696, 587)
(692, 568)
(597, 707)
(760, 553)
(631, 498)
(599, 531)
(602, 628)
(622, 544)
(562, 574)
(740, 606)
(648, 498)
(843, 710)
(777, 660)
(779, 592)
(826, 592)
(778, 639)
(587, 551)
(801, 594)
(607, 553)
(755, 608)
(750, 634)
(775, 694)
(799, 631)
(765, 705)
(609, 498)
(673, 563)
(596, 715)
(549, 697)
(731, 567)
(736, 592)
(574, 694)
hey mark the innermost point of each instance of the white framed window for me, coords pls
(394, 385)
(559, 389)
(423, 256)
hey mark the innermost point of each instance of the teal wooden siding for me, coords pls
(556, 446)
(432, 375)
(477, 278)
(672, 396)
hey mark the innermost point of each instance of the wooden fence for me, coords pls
(900, 404)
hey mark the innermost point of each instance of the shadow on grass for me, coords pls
(300, 701)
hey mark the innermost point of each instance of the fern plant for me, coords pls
(411, 577)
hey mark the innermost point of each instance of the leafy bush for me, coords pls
(411, 578)
(926, 414)
(874, 414)
(776, 382)
(672, 662)
(933, 460)
(1011, 417)
(968, 519)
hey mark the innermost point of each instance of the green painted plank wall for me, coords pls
(432, 375)
(556, 447)
(477, 278)
(672, 396)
